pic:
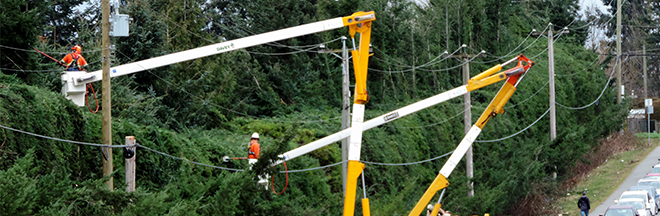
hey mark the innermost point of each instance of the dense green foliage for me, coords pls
(206, 108)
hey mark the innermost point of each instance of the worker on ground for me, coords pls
(74, 61)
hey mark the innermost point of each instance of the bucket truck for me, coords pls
(486, 78)
(496, 106)
(74, 82)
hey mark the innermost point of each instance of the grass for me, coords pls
(646, 135)
(604, 180)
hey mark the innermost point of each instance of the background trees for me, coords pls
(206, 108)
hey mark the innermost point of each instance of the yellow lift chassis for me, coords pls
(360, 65)
(495, 107)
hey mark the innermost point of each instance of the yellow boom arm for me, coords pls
(495, 107)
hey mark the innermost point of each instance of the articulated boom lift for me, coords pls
(514, 76)
(74, 82)
(488, 77)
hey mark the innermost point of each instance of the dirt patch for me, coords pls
(537, 200)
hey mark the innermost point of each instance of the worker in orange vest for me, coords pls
(253, 148)
(74, 61)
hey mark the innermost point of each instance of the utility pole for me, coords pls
(646, 95)
(106, 127)
(618, 52)
(551, 70)
(130, 164)
(346, 103)
(467, 124)
(412, 42)
(345, 110)
(467, 117)
(551, 75)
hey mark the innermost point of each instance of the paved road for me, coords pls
(639, 172)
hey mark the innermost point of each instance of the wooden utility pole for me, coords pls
(646, 94)
(467, 124)
(618, 52)
(106, 127)
(130, 165)
(551, 75)
(467, 118)
(345, 110)
(346, 103)
(551, 72)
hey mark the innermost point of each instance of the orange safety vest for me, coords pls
(75, 60)
(254, 150)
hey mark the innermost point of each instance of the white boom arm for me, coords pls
(483, 79)
(74, 82)
(380, 120)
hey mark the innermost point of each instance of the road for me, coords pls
(639, 172)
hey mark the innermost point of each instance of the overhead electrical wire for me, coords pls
(445, 69)
(63, 140)
(41, 71)
(189, 161)
(304, 48)
(434, 124)
(498, 58)
(207, 165)
(599, 96)
(585, 69)
(429, 63)
(542, 87)
(222, 107)
(515, 134)
(61, 53)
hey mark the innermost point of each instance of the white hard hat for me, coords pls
(430, 207)
(255, 136)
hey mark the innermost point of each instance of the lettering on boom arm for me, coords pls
(225, 47)
(391, 116)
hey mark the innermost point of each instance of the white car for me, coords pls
(642, 208)
(655, 182)
(656, 168)
(651, 190)
(644, 195)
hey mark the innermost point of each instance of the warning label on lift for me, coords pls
(391, 116)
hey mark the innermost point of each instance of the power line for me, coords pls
(508, 55)
(517, 133)
(566, 75)
(222, 107)
(60, 53)
(429, 63)
(186, 160)
(309, 47)
(434, 124)
(406, 164)
(446, 69)
(207, 165)
(546, 49)
(63, 140)
(497, 58)
(41, 71)
(599, 96)
(542, 87)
